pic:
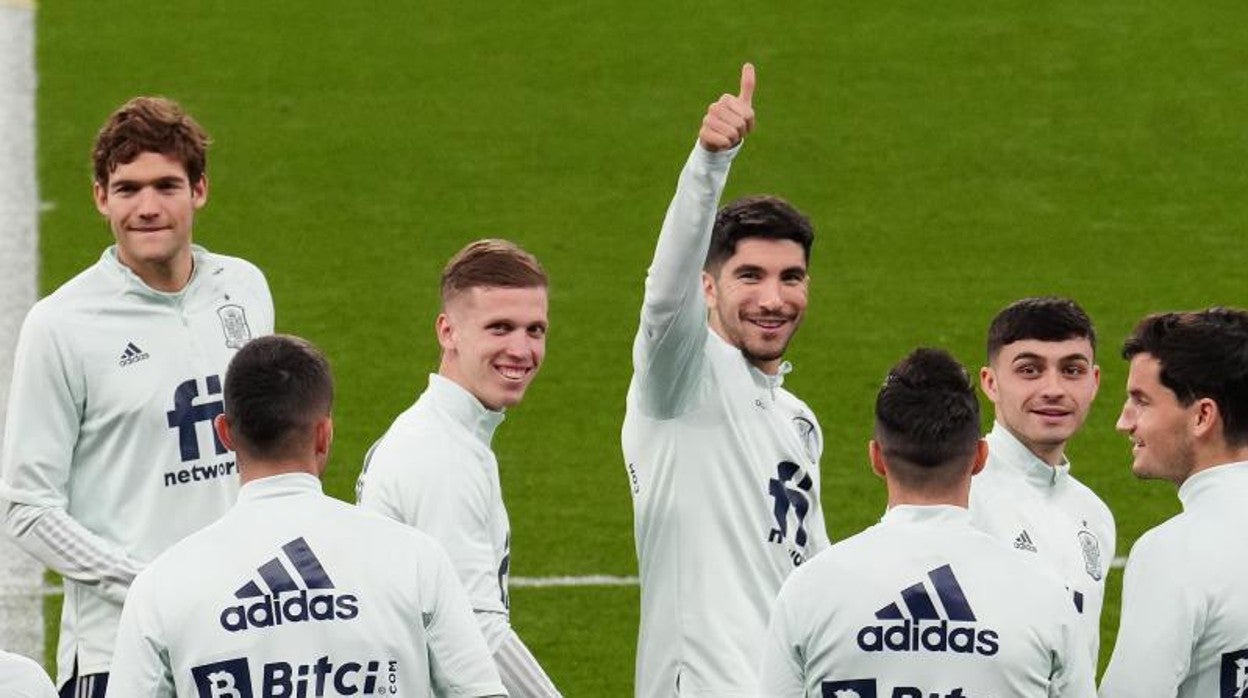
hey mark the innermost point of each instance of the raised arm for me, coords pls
(666, 353)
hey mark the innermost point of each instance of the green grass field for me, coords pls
(954, 156)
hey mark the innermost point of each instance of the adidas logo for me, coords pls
(286, 601)
(940, 634)
(132, 355)
(1023, 542)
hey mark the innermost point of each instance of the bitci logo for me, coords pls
(856, 688)
(228, 679)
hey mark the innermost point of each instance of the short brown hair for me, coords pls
(491, 263)
(763, 216)
(150, 125)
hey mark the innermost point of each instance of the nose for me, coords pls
(1051, 385)
(1126, 420)
(770, 296)
(147, 205)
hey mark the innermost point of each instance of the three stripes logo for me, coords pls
(922, 628)
(1023, 542)
(132, 354)
(286, 601)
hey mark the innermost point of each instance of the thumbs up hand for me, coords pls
(730, 117)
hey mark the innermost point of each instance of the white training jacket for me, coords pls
(1042, 511)
(434, 470)
(23, 678)
(723, 464)
(1183, 631)
(109, 455)
(921, 605)
(293, 593)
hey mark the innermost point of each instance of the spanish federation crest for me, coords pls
(234, 325)
(808, 436)
(1091, 554)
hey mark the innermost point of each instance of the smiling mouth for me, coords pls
(769, 323)
(513, 372)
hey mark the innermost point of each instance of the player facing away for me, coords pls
(434, 468)
(923, 604)
(1041, 378)
(722, 460)
(292, 592)
(109, 455)
(1183, 630)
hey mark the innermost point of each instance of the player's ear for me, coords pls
(1206, 418)
(100, 195)
(708, 288)
(981, 456)
(876, 454)
(199, 191)
(445, 331)
(222, 426)
(988, 382)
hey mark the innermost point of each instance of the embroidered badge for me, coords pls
(234, 325)
(809, 437)
(1091, 554)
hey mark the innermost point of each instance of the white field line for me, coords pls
(21, 613)
(590, 580)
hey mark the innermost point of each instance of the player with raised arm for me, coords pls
(723, 461)
(1183, 630)
(1042, 378)
(109, 456)
(434, 468)
(923, 604)
(292, 592)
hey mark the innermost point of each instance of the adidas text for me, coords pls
(296, 608)
(915, 637)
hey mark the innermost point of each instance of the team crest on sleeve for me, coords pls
(808, 435)
(1234, 682)
(234, 325)
(857, 688)
(1091, 554)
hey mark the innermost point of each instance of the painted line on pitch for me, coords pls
(590, 580)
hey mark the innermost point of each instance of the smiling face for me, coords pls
(150, 205)
(757, 298)
(493, 341)
(1162, 444)
(1042, 391)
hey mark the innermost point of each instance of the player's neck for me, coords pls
(958, 497)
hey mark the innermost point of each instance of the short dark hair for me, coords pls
(1045, 318)
(927, 418)
(1203, 354)
(276, 388)
(155, 125)
(768, 217)
(491, 263)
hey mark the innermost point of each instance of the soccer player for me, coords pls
(922, 604)
(434, 468)
(1042, 377)
(1184, 625)
(23, 678)
(293, 592)
(108, 454)
(722, 460)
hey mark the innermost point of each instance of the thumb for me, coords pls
(747, 83)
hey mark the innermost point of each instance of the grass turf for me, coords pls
(954, 156)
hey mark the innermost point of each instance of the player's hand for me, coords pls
(730, 117)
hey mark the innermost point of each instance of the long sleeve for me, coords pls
(141, 667)
(1158, 627)
(666, 353)
(44, 412)
(460, 664)
(781, 673)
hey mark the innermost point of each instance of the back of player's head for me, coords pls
(491, 263)
(150, 125)
(1047, 319)
(276, 388)
(767, 217)
(927, 419)
(1203, 354)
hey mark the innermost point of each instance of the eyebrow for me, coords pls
(1032, 356)
(159, 181)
